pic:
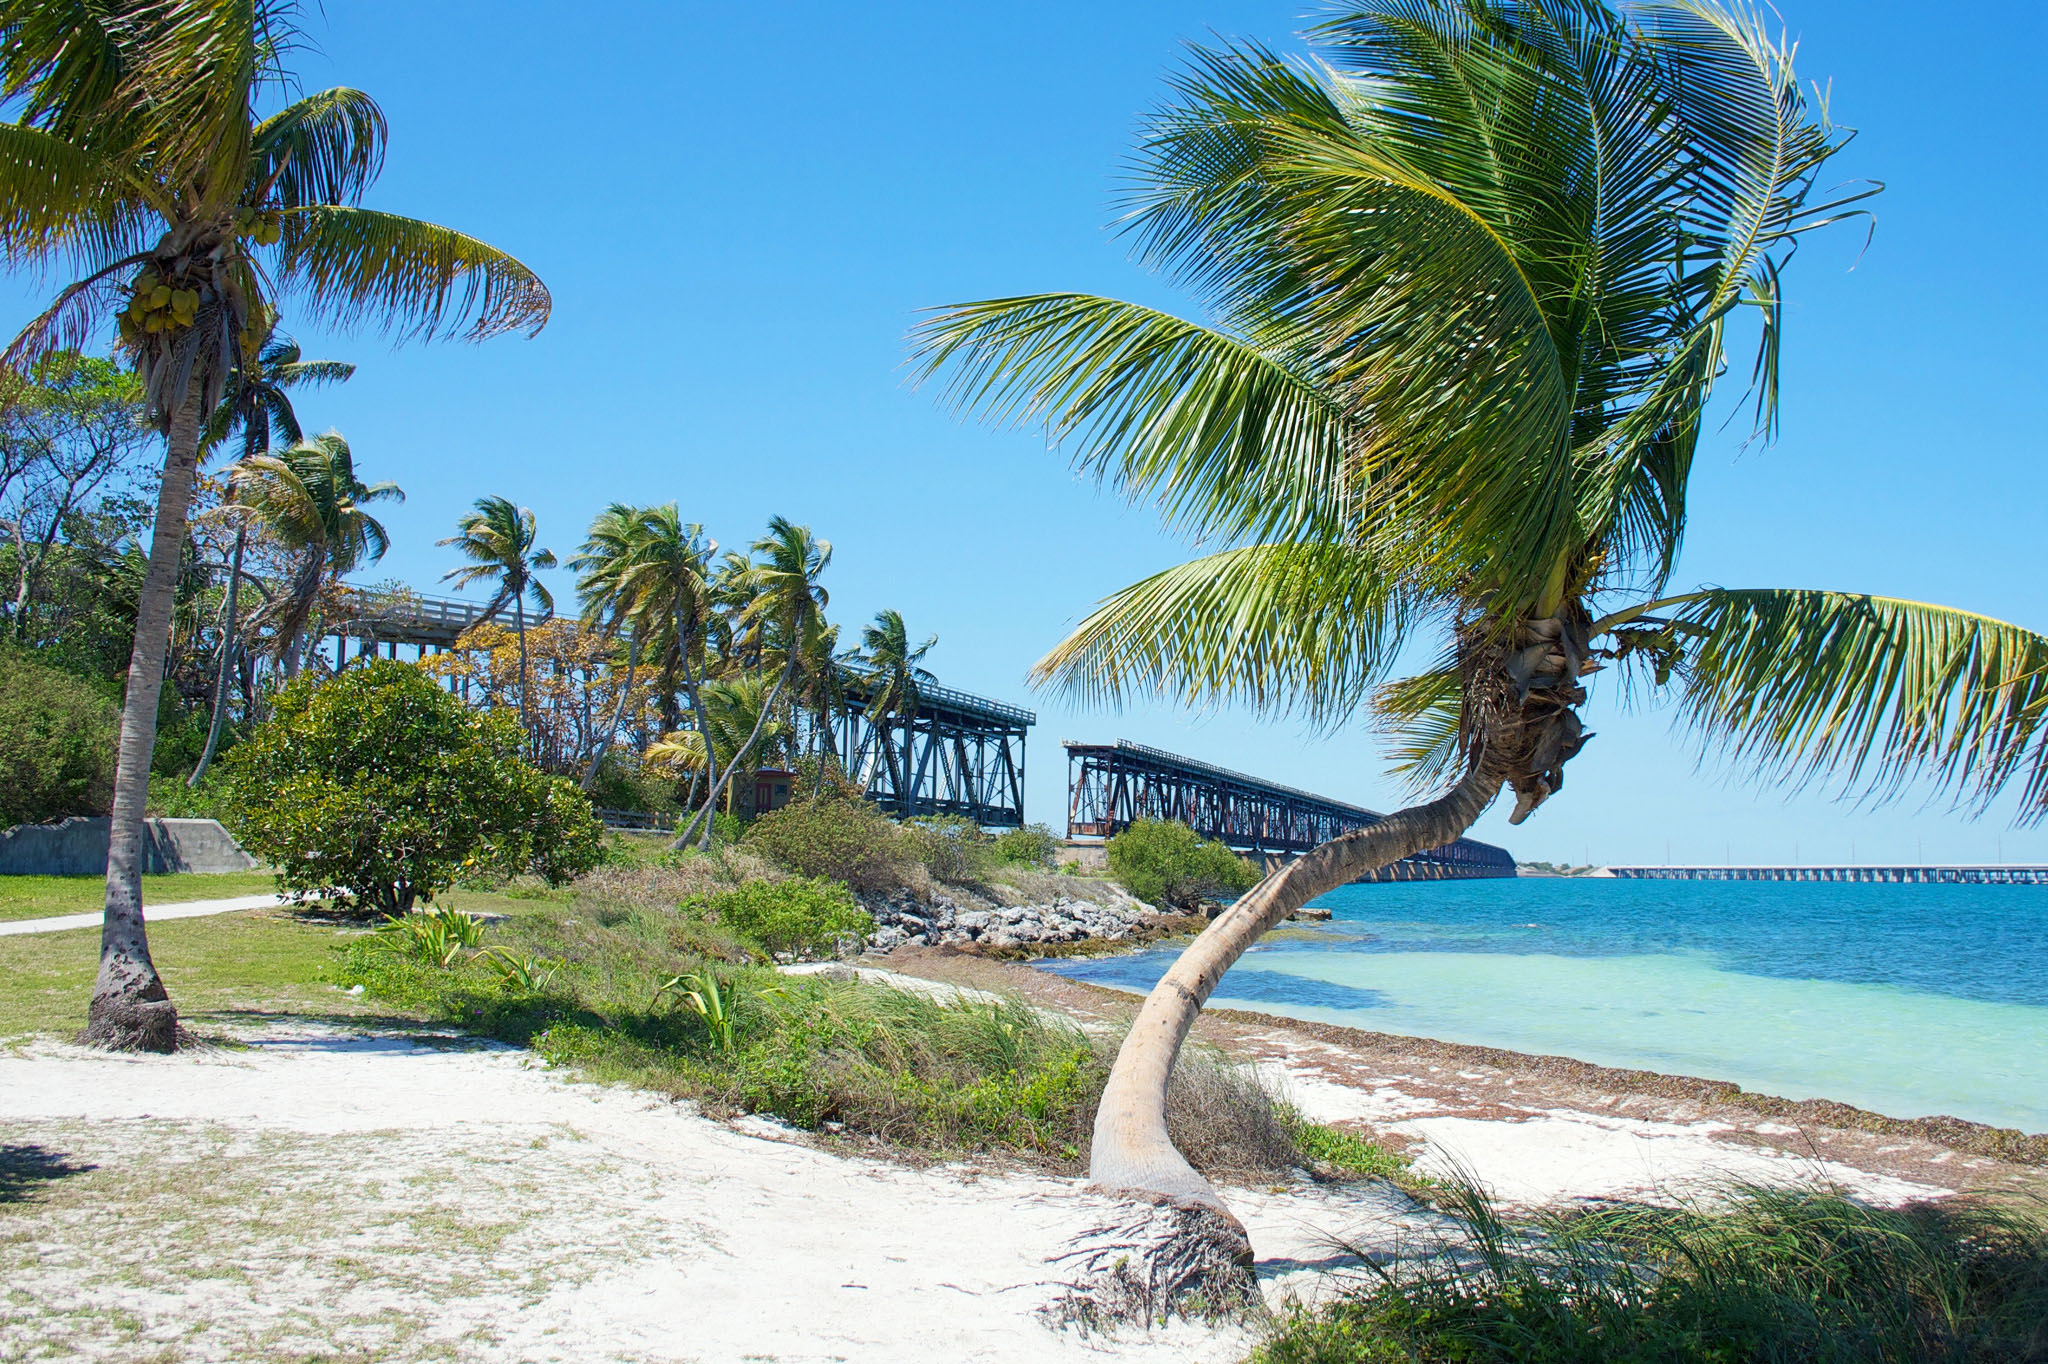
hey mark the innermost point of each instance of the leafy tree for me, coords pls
(71, 431)
(1165, 862)
(1471, 279)
(137, 159)
(498, 540)
(379, 784)
(256, 401)
(311, 501)
(56, 742)
(576, 693)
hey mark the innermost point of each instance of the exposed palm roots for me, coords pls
(1158, 1259)
(118, 1024)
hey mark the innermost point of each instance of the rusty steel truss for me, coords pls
(959, 755)
(1111, 785)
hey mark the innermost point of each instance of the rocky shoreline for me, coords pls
(945, 920)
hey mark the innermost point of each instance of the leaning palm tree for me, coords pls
(1471, 279)
(258, 399)
(136, 159)
(498, 540)
(783, 613)
(895, 680)
(310, 501)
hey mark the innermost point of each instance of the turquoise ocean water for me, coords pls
(1909, 1000)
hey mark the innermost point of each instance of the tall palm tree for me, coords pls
(257, 399)
(784, 609)
(311, 501)
(1470, 279)
(137, 161)
(498, 539)
(895, 680)
(670, 583)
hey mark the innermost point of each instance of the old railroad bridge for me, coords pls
(1110, 785)
(964, 755)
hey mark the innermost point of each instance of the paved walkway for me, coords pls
(190, 909)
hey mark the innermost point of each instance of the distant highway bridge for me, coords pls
(1997, 874)
(1111, 785)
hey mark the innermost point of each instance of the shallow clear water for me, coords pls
(1910, 1000)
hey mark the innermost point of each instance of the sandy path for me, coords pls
(331, 1194)
(186, 909)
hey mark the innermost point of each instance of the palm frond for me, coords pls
(1868, 692)
(59, 197)
(408, 277)
(1280, 628)
(1228, 437)
(1421, 718)
(323, 149)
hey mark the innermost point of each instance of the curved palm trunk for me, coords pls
(227, 659)
(130, 1009)
(604, 741)
(1131, 1151)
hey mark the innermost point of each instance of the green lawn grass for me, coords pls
(40, 897)
(261, 961)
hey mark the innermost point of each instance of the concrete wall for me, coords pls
(1087, 856)
(78, 847)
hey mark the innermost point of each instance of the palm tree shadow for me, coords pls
(26, 1166)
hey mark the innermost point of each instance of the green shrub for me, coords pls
(57, 735)
(840, 840)
(379, 784)
(1033, 845)
(953, 850)
(1165, 862)
(801, 917)
(1762, 1276)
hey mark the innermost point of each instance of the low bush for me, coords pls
(800, 918)
(57, 735)
(1763, 1276)
(952, 850)
(1165, 862)
(1033, 845)
(379, 784)
(838, 839)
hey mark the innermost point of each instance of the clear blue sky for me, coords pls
(740, 208)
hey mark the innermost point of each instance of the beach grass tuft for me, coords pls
(1753, 1276)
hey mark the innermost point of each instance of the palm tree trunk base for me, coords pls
(122, 1023)
(1154, 1259)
